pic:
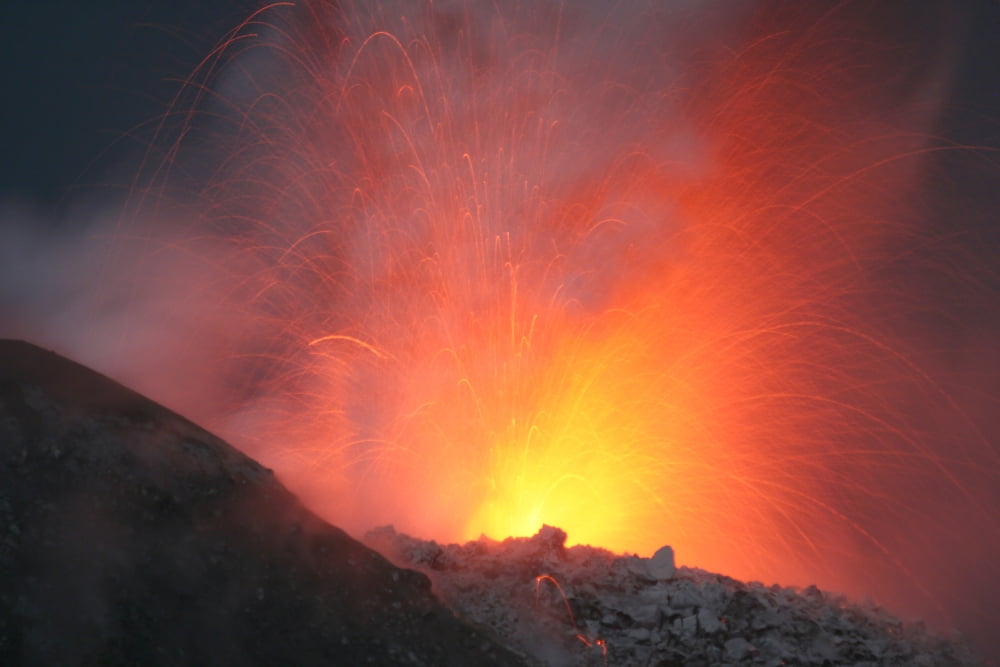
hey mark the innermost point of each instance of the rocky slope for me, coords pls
(128, 535)
(587, 606)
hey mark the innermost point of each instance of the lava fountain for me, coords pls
(631, 269)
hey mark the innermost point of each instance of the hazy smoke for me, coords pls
(352, 165)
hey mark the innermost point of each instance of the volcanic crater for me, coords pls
(130, 535)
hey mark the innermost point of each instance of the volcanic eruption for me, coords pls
(650, 272)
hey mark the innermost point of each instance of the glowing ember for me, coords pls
(487, 266)
(589, 642)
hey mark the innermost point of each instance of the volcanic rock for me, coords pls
(661, 565)
(586, 606)
(129, 535)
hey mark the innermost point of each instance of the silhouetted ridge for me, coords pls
(129, 535)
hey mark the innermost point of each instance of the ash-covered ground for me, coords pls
(586, 606)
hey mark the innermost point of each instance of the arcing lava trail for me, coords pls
(636, 270)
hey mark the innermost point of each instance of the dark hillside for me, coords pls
(128, 535)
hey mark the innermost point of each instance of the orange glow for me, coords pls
(589, 642)
(508, 264)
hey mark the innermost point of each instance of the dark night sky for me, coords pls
(79, 76)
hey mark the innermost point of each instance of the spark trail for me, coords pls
(626, 269)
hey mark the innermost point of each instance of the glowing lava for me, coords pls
(499, 265)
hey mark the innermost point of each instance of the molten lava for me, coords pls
(494, 265)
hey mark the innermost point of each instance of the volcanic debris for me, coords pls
(586, 606)
(129, 535)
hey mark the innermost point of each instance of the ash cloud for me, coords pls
(137, 307)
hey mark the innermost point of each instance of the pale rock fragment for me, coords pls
(736, 649)
(684, 596)
(661, 566)
(639, 634)
(647, 614)
(822, 648)
(709, 621)
(640, 567)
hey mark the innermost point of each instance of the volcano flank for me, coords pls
(128, 535)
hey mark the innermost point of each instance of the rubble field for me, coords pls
(558, 605)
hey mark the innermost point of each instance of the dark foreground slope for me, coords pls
(128, 535)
